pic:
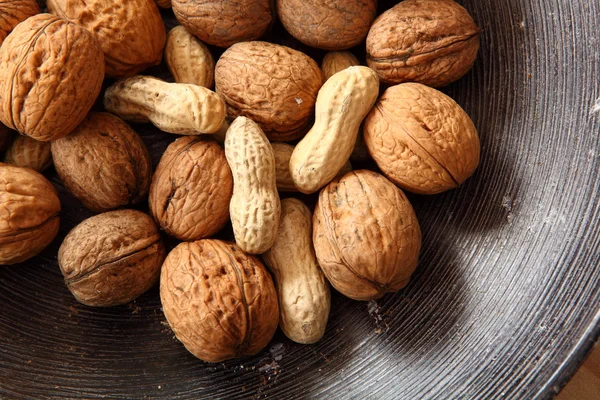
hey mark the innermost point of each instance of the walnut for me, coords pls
(273, 85)
(51, 73)
(220, 302)
(13, 12)
(366, 235)
(27, 152)
(330, 24)
(224, 22)
(29, 216)
(104, 163)
(191, 189)
(111, 258)
(131, 34)
(433, 42)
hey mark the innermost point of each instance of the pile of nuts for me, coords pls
(362, 237)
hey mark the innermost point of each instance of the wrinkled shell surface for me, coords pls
(178, 108)
(224, 22)
(29, 153)
(273, 85)
(29, 216)
(421, 139)
(104, 163)
(366, 235)
(189, 60)
(191, 189)
(131, 33)
(111, 258)
(6, 138)
(304, 298)
(336, 61)
(328, 24)
(13, 12)
(433, 42)
(51, 72)
(220, 302)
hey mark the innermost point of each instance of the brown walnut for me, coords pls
(104, 163)
(220, 302)
(224, 22)
(366, 235)
(433, 42)
(29, 153)
(131, 33)
(327, 24)
(29, 216)
(13, 12)
(191, 189)
(273, 85)
(111, 258)
(51, 72)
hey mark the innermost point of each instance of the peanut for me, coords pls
(255, 207)
(304, 298)
(27, 152)
(188, 59)
(179, 108)
(343, 101)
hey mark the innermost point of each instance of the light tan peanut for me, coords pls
(336, 61)
(188, 59)
(255, 207)
(343, 101)
(304, 298)
(163, 3)
(179, 108)
(27, 152)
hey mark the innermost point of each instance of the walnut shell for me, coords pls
(6, 138)
(191, 189)
(51, 73)
(329, 25)
(273, 85)
(366, 235)
(29, 216)
(421, 139)
(104, 163)
(13, 12)
(132, 34)
(336, 61)
(433, 42)
(224, 22)
(220, 302)
(111, 258)
(27, 152)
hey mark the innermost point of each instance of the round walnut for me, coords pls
(273, 85)
(224, 22)
(131, 34)
(29, 216)
(433, 42)
(336, 61)
(191, 189)
(366, 235)
(220, 302)
(330, 24)
(13, 12)
(421, 139)
(111, 258)
(27, 152)
(47, 96)
(104, 163)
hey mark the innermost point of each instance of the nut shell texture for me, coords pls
(131, 33)
(421, 139)
(13, 12)
(29, 216)
(111, 258)
(328, 24)
(220, 302)
(273, 85)
(191, 189)
(336, 61)
(433, 42)
(366, 235)
(224, 22)
(189, 60)
(29, 153)
(51, 72)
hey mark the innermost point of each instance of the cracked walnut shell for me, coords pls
(13, 12)
(220, 302)
(111, 258)
(29, 216)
